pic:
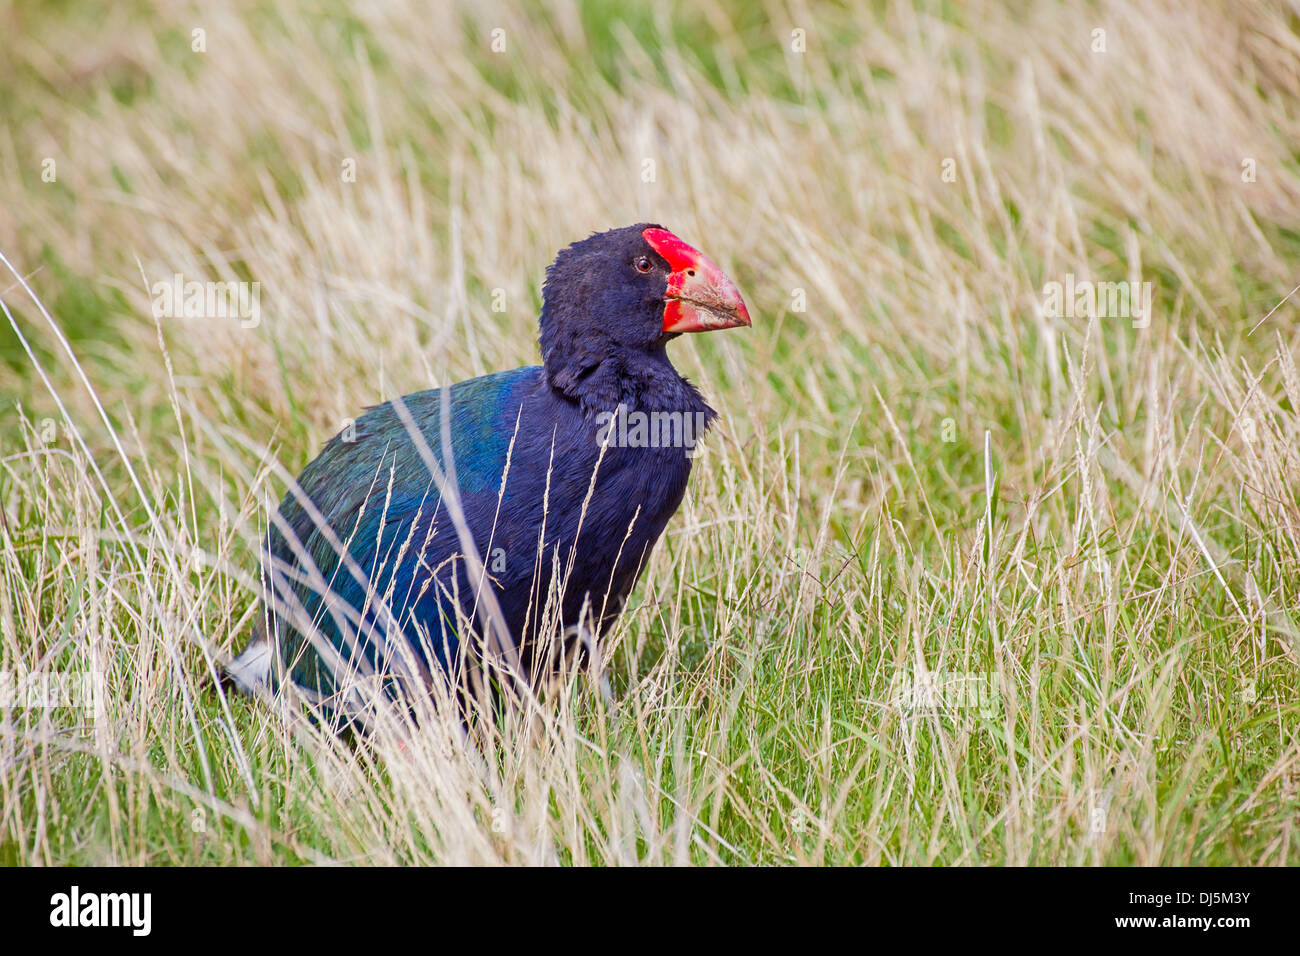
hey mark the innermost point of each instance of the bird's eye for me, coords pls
(642, 264)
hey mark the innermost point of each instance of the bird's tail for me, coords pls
(252, 668)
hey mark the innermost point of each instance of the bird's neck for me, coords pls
(637, 379)
(650, 383)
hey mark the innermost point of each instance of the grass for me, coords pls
(959, 580)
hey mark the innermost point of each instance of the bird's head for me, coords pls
(622, 294)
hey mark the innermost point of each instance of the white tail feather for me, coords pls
(252, 668)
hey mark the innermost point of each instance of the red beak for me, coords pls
(700, 297)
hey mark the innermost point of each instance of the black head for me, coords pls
(614, 299)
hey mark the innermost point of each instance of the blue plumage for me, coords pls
(364, 554)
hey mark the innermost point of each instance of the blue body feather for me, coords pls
(372, 488)
(365, 568)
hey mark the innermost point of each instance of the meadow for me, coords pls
(993, 556)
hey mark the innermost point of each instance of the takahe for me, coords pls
(564, 477)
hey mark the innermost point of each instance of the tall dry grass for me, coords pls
(1115, 570)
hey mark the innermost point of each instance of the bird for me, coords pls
(510, 511)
